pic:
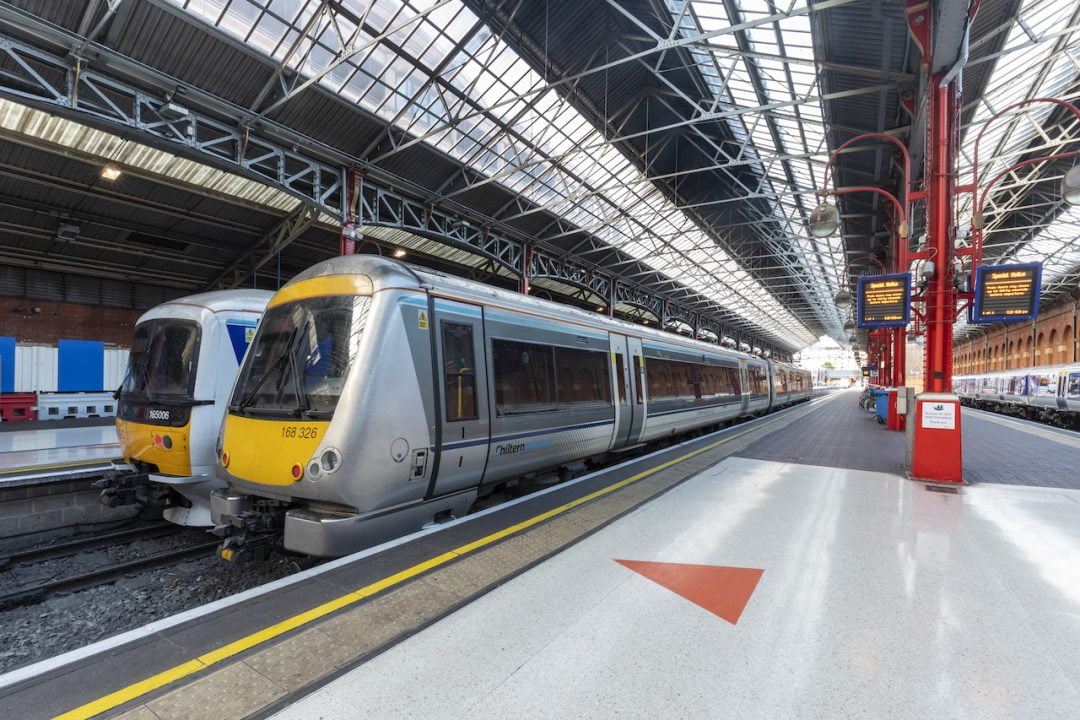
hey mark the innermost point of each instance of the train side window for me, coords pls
(524, 376)
(637, 380)
(459, 368)
(584, 377)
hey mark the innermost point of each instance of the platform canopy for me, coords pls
(660, 157)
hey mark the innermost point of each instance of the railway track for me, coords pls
(36, 592)
(73, 547)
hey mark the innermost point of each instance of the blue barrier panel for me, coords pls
(7, 364)
(81, 365)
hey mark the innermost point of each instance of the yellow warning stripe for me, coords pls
(131, 692)
(91, 464)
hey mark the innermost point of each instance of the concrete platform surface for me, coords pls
(45, 448)
(878, 598)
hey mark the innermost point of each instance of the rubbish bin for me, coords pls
(881, 405)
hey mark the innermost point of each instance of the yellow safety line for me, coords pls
(126, 694)
(39, 468)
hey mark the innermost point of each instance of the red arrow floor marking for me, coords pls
(723, 591)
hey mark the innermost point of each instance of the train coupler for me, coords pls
(248, 537)
(119, 488)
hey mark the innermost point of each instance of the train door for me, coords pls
(622, 395)
(461, 377)
(637, 397)
(1062, 404)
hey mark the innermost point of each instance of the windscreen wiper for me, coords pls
(269, 371)
(302, 404)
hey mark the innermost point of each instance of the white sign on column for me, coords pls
(939, 415)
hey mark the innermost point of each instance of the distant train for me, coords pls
(1048, 394)
(184, 358)
(378, 398)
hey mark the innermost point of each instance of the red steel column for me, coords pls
(936, 452)
(940, 292)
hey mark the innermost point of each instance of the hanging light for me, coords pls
(849, 326)
(842, 300)
(111, 172)
(1070, 186)
(824, 220)
(853, 340)
(912, 337)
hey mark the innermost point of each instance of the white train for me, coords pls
(378, 398)
(1049, 394)
(184, 358)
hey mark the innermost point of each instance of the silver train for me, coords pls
(183, 362)
(378, 398)
(1048, 394)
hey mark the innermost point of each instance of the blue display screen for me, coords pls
(884, 301)
(1006, 293)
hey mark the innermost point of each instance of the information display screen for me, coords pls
(884, 301)
(1006, 293)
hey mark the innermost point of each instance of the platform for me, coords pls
(62, 452)
(819, 592)
(876, 598)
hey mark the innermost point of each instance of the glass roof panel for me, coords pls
(438, 67)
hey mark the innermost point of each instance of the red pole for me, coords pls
(940, 292)
(936, 453)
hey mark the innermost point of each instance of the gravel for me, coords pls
(71, 620)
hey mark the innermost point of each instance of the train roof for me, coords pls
(388, 273)
(240, 300)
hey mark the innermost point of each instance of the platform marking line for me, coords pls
(89, 462)
(154, 682)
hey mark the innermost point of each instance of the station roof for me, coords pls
(675, 145)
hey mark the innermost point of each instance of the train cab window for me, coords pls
(1073, 385)
(459, 370)
(162, 361)
(524, 376)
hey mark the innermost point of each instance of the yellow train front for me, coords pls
(183, 361)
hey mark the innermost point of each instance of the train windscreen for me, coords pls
(162, 363)
(300, 356)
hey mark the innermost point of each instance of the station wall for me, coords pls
(1051, 339)
(42, 321)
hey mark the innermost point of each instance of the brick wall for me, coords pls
(1050, 340)
(65, 321)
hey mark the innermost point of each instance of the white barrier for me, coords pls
(57, 406)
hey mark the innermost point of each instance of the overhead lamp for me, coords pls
(824, 220)
(912, 337)
(111, 172)
(853, 340)
(842, 300)
(1070, 186)
(399, 253)
(849, 326)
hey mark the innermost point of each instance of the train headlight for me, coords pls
(313, 470)
(330, 460)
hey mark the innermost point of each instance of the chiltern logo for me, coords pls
(509, 449)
